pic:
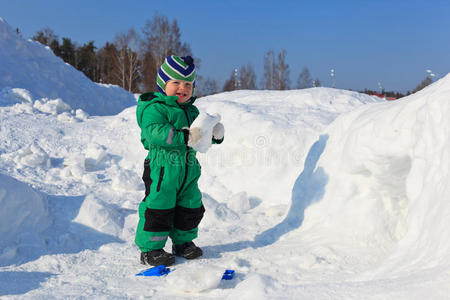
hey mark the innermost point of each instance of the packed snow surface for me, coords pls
(314, 194)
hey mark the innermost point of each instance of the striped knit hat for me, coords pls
(175, 68)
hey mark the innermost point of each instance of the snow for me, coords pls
(206, 122)
(314, 194)
(30, 71)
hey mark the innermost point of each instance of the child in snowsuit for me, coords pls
(172, 206)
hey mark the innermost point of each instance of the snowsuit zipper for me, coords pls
(187, 153)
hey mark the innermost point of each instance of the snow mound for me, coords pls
(267, 134)
(385, 182)
(24, 215)
(30, 66)
(100, 216)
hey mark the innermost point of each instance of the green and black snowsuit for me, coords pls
(172, 206)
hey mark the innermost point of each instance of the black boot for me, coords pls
(157, 257)
(187, 250)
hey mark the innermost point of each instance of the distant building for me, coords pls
(389, 98)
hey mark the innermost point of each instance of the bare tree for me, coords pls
(276, 73)
(206, 86)
(247, 77)
(427, 81)
(283, 81)
(232, 83)
(161, 39)
(45, 36)
(126, 61)
(268, 82)
(304, 80)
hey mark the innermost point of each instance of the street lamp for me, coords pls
(333, 77)
(380, 87)
(432, 74)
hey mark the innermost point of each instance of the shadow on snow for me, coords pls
(63, 236)
(17, 283)
(308, 189)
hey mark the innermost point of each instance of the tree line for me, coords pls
(132, 59)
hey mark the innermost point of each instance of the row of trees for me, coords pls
(424, 83)
(132, 59)
(276, 75)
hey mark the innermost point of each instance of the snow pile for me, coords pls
(31, 67)
(267, 135)
(23, 216)
(385, 173)
(316, 193)
(94, 213)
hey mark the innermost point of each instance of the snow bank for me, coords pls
(23, 216)
(100, 216)
(386, 169)
(30, 66)
(267, 134)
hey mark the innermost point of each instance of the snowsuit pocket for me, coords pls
(146, 178)
(161, 175)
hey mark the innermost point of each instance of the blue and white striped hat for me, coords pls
(175, 68)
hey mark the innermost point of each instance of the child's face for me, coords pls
(180, 88)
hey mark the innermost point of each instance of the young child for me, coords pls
(172, 206)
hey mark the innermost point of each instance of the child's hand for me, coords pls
(218, 131)
(195, 134)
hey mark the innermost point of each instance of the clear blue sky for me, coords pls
(389, 41)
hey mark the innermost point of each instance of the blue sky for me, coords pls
(366, 42)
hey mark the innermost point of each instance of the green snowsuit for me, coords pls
(172, 206)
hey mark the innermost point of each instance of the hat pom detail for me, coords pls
(188, 60)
